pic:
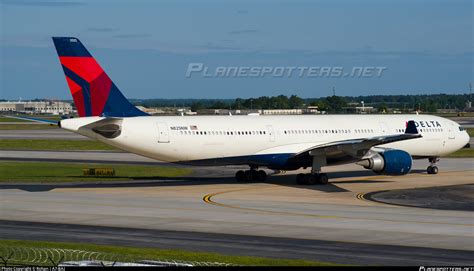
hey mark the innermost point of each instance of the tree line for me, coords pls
(331, 104)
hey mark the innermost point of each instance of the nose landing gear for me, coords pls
(432, 168)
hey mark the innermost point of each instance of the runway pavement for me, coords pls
(217, 206)
(454, 197)
(40, 134)
(124, 157)
(23, 122)
(287, 248)
(78, 156)
(467, 122)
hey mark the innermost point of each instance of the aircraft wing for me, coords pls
(357, 148)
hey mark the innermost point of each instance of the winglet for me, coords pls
(411, 128)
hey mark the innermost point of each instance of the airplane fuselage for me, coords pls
(268, 140)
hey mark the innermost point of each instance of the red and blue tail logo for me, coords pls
(93, 92)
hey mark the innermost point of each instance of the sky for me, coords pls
(424, 47)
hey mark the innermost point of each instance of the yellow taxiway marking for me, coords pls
(361, 196)
(208, 199)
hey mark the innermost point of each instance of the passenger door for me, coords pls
(271, 133)
(163, 133)
(383, 128)
(451, 131)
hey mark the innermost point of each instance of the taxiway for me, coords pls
(318, 222)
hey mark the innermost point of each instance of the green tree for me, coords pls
(195, 106)
(335, 104)
(295, 102)
(321, 104)
(382, 108)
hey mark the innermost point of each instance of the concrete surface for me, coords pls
(39, 134)
(77, 156)
(287, 248)
(335, 220)
(276, 209)
(452, 197)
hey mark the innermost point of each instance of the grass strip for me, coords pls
(470, 131)
(53, 172)
(54, 145)
(22, 254)
(17, 126)
(462, 153)
(7, 119)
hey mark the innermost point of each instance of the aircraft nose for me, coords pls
(467, 138)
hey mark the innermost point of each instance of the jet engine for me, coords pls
(390, 162)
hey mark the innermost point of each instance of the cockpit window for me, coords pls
(461, 129)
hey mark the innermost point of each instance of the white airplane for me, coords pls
(385, 144)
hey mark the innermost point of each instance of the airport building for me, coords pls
(298, 111)
(37, 107)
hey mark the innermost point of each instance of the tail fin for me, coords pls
(411, 127)
(93, 92)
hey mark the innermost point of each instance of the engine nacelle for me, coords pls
(390, 162)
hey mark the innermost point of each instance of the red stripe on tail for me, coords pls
(100, 90)
(86, 67)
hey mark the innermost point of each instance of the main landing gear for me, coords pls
(310, 178)
(315, 177)
(251, 175)
(432, 168)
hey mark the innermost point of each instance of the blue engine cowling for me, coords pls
(390, 162)
(397, 162)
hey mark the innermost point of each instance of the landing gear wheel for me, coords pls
(432, 170)
(323, 178)
(240, 176)
(310, 179)
(249, 175)
(300, 179)
(261, 175)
